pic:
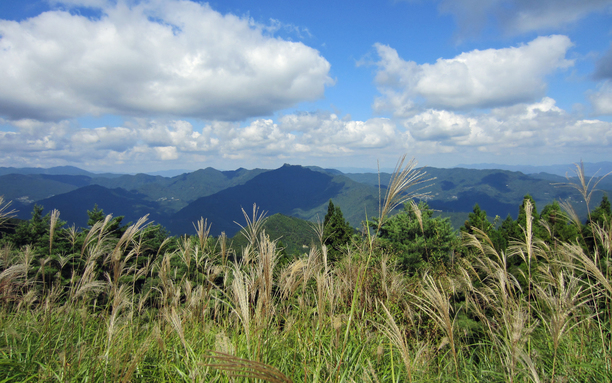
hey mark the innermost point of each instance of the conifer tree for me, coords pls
(478, 219)
(337, 231)
(560, 226)
(602, 213)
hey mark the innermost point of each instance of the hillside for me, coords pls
(289, 190)
(73, 205)
(177, 192)
(499, 192)
(296, 191)
(27, 188)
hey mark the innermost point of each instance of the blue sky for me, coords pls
(142, 86)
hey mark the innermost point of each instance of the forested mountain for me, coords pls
(177, 192)
(289, 190)
(590, 169)
(73, 206)
(302, 192)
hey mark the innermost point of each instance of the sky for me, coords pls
(149, 85)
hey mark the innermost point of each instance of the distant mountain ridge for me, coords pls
(590, 169)
(292, 190)
(56, 170)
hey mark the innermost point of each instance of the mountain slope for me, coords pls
(289, 190)
(73, 205)
(499, 192)
(590, 169)
(27, 188)
(176, 192)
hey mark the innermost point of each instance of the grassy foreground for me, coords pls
(198, 314)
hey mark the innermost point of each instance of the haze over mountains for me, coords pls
(302, 192)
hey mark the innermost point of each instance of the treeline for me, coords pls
(415, 238)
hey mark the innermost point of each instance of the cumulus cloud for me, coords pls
(141, 141)
(476, 79)
(540, 127)
(170, 58)
(518, 16)
(533, 129)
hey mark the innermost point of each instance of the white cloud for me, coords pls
(528, 130)
(476, 79)
(518, 16)
(165, 153)
(177, 58)
(542, 126)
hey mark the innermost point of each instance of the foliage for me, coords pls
(337, 232)
(478, 220)
(296, 234)
(417, 239)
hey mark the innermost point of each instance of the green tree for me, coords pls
(337, 232)
(418, 239)
(478, 219)
(602, 213)
(600, 216)
(31, 232)
(512, 231)
(559, 226)
(114, 226)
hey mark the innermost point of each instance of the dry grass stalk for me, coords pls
(436, 304)
(322, 288)
(127, 239)
(223, 344)
(223, 248)
(9, 285)
(404, 178)
(53, 222)
(562, 297)
(398, 339)
(203, 230)
(243, 368)
(253, 226)
(583, 186)
(584, 263)
(184, 251)
(501, 309)
(267, 257)
(241, 288)
(291, 277)
(5, 214)
(319, 228)
(173, 318)
(120, 300)
(567, 207)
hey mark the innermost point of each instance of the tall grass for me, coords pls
(196, 312)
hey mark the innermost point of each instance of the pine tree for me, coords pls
(419, 242)
(114, 226)
(478, 219)
(337, 232)
(560, 226)
(602, 213)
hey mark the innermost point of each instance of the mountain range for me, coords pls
(291, 190)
